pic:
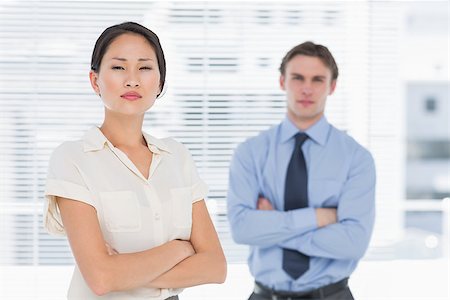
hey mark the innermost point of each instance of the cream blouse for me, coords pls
(134, 213)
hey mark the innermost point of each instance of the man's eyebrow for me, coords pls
(315, 76)
(124, 59)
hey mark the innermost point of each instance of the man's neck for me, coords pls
(303, 124)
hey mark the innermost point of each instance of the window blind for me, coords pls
(222, 87)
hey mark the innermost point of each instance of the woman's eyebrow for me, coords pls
(124, 59)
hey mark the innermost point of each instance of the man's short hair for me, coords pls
(310, 49)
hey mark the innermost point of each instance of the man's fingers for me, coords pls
(264, 204)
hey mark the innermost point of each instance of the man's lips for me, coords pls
(305, 102)
(131, 96)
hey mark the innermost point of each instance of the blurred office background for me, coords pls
(223, 58)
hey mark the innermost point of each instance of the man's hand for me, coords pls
(264, 204)
(326, 216)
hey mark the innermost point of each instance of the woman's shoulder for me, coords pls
(173, 144)
(68, 149)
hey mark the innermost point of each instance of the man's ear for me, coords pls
(93, 78)
(282, 82)
(332, 86)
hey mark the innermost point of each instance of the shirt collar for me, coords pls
(94, 140)
(317, 132)
(156, 145)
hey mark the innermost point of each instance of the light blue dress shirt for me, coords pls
(341, 173)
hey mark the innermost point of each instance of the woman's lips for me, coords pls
(131, 96)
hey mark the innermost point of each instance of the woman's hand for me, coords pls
(186, 247)
(205, 262)
(110, 250)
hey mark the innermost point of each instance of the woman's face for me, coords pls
(129, 79)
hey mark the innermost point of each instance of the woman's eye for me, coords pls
(117, 68)
(146, 68)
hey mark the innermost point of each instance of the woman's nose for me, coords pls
(132, 81)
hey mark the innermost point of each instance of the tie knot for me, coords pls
(300, 138)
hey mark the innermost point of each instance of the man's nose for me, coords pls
(306, 89)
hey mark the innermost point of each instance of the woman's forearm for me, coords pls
(128, 271)
(200, 268)
(207, 265)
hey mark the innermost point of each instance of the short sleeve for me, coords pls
(199, 189)
(63, 180)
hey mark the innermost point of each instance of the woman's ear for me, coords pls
(161, 91)
(93, 78)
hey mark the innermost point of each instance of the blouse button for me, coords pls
(157, 216)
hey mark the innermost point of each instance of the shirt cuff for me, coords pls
(199, 191)
(65, 189)
(303, 219)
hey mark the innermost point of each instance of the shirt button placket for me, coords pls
(155, 204)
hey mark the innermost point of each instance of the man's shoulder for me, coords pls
(349, 144)
(261, 140)
(256, 148)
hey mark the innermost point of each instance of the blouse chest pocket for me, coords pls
(121, 211)
(181, 207)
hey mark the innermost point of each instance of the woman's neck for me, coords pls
(124, 131)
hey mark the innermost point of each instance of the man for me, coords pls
(301, 194)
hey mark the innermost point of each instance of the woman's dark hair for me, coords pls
(315, 50)
(111, 33)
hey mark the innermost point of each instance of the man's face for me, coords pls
(307, 82)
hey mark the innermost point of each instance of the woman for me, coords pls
(131, 204)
